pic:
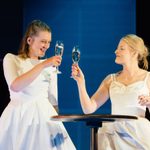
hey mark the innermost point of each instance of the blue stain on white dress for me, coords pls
(126, 135)
(25, 123)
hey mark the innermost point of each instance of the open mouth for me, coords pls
(42, 50)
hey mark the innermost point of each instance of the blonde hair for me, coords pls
(137, 45)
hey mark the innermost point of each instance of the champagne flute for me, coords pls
(75, 55)
(59, 48)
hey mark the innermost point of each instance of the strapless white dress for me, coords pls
(126, 135)
(25, 123)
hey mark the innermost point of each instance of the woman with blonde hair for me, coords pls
(129, 92)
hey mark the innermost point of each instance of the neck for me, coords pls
(130, 72)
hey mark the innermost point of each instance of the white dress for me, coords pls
(25, 123)
(126, 135)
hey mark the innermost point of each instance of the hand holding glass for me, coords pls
(59, 48)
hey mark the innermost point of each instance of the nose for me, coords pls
(115, 51)
(46, 45)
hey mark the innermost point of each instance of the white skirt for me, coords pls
(27, 126)
(125, 135)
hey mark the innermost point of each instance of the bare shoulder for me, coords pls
(108, 79)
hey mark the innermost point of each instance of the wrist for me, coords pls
(81, 84)
(40, 66)
(43, 64)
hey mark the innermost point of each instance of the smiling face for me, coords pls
(38, 44)
(35, 41)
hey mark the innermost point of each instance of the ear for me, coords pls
(29, 39)
(135, 54)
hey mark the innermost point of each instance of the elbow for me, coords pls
(14, 88)
(88, 111)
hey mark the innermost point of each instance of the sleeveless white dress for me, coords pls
(25, 123)
(126, 135)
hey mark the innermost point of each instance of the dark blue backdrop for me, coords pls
(97, 26)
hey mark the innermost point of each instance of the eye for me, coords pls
(121, 48)
(43, 41)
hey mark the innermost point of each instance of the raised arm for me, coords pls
(90, 105)
(17, 82)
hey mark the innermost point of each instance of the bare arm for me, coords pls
(90, 105)
(17, 83)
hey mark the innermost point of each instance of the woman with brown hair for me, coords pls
(25, 123)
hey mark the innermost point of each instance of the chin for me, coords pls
(117, 62)
(42, 55)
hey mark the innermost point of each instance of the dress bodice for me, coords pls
(25, 123)
(124, 99)
(43, 86)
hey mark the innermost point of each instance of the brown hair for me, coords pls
(32, 30)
